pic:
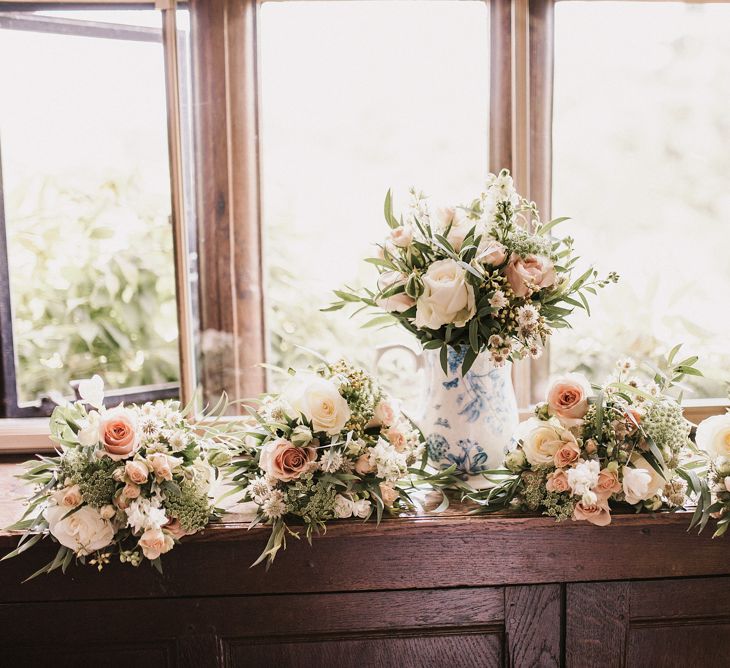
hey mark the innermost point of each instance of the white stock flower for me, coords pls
(361, 508)
(389, 464)
(320, 401)
(344, 507)
(84, 531)
(583, 477)
(636, 484)
(447, 297)
(713, 435)
(91, 391)
(143, 514)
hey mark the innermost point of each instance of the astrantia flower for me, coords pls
(274, 507)
(259, 490)
(331, 461)
(527, 317)
(498, 300)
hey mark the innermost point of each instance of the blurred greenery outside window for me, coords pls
(85, 178)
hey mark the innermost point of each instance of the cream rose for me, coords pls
(447, 297)
(155, 542)
(529, 274)
(118, 433)
(567, 398)
(84, 531)
(136, 472)
(343, 507)
(395, 303)
(284, 461)
(320, 401)
(541, 441)
(713, 435)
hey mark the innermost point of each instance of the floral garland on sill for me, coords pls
(583, 453)
(331, 446)
(130, 481)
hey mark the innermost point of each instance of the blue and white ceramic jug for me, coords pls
(467, 420)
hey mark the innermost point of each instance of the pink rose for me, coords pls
(529, 274)
(154, 542)
(567, 398)
(284, 461)
(131, 491)
(597, 513)
(608, 483)
(136, 472)
(384, 414)
(494, 254)
(118, 433)
(388, 494)
(174, 528)
(399, 302)
(402, 236)
(362, 465)
(568, 453)
(557, 481)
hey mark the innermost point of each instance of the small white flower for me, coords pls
(527, 317)
(344, 507)
(494, 342)
(178, 440)
(259, 490)
(583, 477)
(144, 514)
(498, 300)
(361, 508)
(388, 462)
(274, 507)
(91, 391)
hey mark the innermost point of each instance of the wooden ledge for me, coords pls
(428, 551)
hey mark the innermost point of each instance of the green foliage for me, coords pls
(92, 284)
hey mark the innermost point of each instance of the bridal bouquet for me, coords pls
(582, 451)
(127, 481)
(713, 500)
(476, 276)
(331, 446)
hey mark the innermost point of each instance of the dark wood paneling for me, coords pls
(533, 619)
(680, 646)
(597, 620)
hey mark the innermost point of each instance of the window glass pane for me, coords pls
(641, 132)
(359, 97)
(85, 176)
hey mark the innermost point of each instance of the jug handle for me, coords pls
(418, 357)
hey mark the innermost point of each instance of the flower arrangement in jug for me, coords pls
(129, 481)
(476, 276)
(589, 447)
(331, 446)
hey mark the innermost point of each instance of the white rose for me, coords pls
(320, 401)
(344, 508)
(540, 441)
(583, 477)
(636, 484)
(399, 302)
(447, 297)
(713, 435)
(84, 531)
(361, 508)
(656, 481)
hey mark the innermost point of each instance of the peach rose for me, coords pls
(131, 491)
(136, 472)
(529, 274)
(284, 461)
(154, 542)
(399, 302)
(388, 494)
(402, 236)
(118, 433)
(608, 483)
(384, 414)
(557, 481)
(567, 398)
(121, 501)
(69, 496)
(162, 465)
(494, 254)
(597, 513)
(568, 453)
(363, 466)
(397, 439)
